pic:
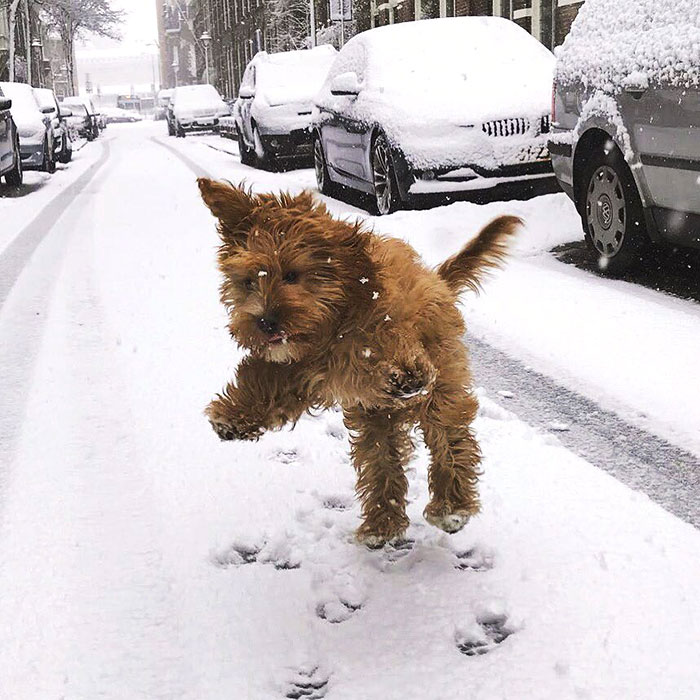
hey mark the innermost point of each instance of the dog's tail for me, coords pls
(485, 252)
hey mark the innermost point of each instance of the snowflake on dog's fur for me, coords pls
(366, 352)
(364, 280)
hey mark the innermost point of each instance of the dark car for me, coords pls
(625, 138)
(90, 128)
(34, 128)
(63, 146)
(433, 107)
(10, 158)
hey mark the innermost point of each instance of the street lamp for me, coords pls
(35, 57)
(206, 42)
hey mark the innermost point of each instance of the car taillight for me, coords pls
(554, 93)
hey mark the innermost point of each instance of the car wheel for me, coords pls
(66, 154)
(171, 131)
(179, 131)
(264, 159)
(247, 155)
(15, 177)
(48, 164)
(386, 191)
(325, 184)
(612, 213)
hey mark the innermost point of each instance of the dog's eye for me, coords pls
(290, 278)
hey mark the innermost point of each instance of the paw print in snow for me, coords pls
(484, 634)
(474, 560)
(309, 684)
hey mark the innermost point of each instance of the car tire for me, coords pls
(179, 131)
(66, 154)
(49, 163)
(325, 184)
(247, 155)
(263, 158)
(386, 192)
(171, 131)
(15, 177)
(612, 212)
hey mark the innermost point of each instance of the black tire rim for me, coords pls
(381, 171)
(606, 211)
(319, 165)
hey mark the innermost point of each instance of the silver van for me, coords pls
(625, 139)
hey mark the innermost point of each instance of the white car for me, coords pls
(435, 106)
(63, 145)
(34, 127)
(117, 115)
(275, 102)
(195, 108)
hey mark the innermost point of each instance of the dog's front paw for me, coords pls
(230, 426)
(411, 379)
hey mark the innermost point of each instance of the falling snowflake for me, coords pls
(364, 280)
(366, 352)
(375, 295)
(262, 273)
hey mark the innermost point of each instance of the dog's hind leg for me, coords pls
(381, 448)
(455, 453)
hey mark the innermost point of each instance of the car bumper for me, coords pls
(295, 144)
(32, 156)
(475, 178)
(199, 124)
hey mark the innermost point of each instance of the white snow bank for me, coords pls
(614, 41)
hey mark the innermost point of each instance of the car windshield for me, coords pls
(45, 98)
(196, 95)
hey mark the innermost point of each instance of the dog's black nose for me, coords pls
(268, 324)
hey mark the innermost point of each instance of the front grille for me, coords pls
(506, 127)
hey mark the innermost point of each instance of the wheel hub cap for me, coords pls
(606, 211)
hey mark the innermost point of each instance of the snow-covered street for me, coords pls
(142, 558)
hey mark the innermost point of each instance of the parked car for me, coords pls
(625, 141)
(228, 128)
(162, 102)
(116, 115)
(10, 157)
(90, 128)
(195, 108)
(275, 102)
(34, 127)
(439, 105)
(79, 122)
(63, 145)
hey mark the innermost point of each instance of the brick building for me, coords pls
(241, 28)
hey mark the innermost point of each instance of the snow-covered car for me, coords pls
(117, 115)
(228, 128)
(195, 108)
(34, 127)
(162, 102)
(63, 145)
(459, 103)
(625, 140)
(86, 117)
(10, 158)
(275, 101)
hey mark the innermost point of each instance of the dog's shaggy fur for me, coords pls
(333, 314)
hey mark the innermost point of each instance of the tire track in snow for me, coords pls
(639, 459)
(22, 320)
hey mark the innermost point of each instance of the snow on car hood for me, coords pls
(430, 85)
(648, 41)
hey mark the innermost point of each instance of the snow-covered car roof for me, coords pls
(25, 108)
(431, 84)
(652, 41)
(292, 76)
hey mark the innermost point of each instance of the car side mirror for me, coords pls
(48, 110)
(65, 112)
(246, 92)
(5, 103)
(346, 84)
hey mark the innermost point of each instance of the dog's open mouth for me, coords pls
(278, 338)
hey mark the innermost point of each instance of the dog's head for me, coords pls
(290, 269)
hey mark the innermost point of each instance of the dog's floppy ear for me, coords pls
(232, 206)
